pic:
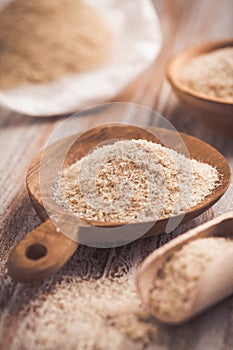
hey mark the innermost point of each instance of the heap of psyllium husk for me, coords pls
(175, 284)
(43, 40)
(132, 181)
(211, 74)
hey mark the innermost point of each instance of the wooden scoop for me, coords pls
(44, 250)
(215, 284)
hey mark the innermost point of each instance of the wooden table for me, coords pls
(51, 315)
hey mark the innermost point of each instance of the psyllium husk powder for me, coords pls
(41, 41)
(211, 74)
(175, 285)
(133, 181)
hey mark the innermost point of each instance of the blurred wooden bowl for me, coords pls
(216, 113)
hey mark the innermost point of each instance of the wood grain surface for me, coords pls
(23, 308)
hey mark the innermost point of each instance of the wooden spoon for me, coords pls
(215, 284)
(44, 250)
(215, 112)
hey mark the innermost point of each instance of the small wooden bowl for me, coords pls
(217, 113)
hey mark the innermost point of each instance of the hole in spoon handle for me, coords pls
(40, 254)
(36, 251)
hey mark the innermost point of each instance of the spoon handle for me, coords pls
(40, 254)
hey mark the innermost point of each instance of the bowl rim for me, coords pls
(196, 51)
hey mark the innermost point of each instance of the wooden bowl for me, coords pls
(215, 112)
(196, 148)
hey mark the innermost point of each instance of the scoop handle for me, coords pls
(40, 254)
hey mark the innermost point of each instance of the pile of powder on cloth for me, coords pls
(42, 41)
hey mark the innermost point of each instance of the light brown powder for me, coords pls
(44, 40)
(132, 181)
(99, 315)
(211, 74)
(134, 324)
(175, 284)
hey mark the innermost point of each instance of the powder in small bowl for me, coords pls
(133, 181)
(42, 41)
(211, 74)
(175, 285)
